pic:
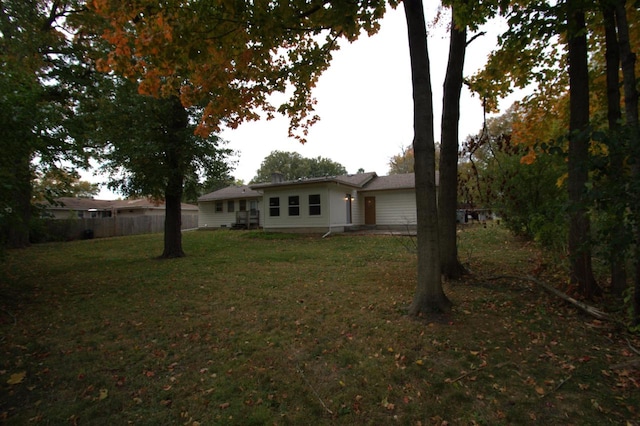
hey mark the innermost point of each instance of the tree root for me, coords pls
(588, 309)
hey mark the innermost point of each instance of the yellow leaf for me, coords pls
(561, 180)
(419, 362)
(539, 390)
(16, 378)
(103, 394)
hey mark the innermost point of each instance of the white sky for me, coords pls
(365, 102)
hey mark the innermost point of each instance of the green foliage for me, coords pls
(528, 52)
(528, 197)
(42, 77)
(143, 141)
(292, 166)
(56, 182)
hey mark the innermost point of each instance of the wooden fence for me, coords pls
(74, 229)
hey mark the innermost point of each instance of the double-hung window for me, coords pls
(274, 206)
(314, 205)
(294, 205)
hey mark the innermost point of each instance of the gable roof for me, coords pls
(390, 182)
(382, 183)
(231, 192)
(357, 180)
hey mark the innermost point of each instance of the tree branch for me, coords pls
(481, 33)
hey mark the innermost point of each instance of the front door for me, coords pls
(369, 210)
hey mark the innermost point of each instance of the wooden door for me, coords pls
(369, 210)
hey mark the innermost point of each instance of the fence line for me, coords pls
(73, 229)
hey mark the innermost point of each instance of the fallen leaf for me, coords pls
(224, 405)
(103, 394)
(16, 378)
(539, 390)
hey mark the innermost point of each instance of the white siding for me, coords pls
(392, 207)
(338, 206)
(303, 220)
(209, 218)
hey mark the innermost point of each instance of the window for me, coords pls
(294, 205)
(243, 205)
(230, 206)
(314, 205)
(218, 206)
(274, 206)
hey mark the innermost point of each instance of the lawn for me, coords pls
(258, 328)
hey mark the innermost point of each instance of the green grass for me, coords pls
(259, 328)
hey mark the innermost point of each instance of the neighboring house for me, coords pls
(236, 206)
(326, 204)
(89, 208)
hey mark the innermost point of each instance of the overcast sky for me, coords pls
(365, 103)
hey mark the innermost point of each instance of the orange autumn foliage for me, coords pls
(229, 56)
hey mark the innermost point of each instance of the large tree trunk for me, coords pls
(628, 60)
(175, 181)
(17, 232)
(579, 229)
(173, 222)
(616, 155)
(448, 191)
(429, 296)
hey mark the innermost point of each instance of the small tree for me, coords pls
(403, 162)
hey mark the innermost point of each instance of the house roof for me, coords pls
(231, 192)
(390, 182)
(77, 203)
(356, 180)
(362, 181)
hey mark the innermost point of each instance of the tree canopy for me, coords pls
(230, 56)
(41, 78)
(55, 183)
(292, 166)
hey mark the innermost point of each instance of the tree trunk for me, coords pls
(173, 223)
(628, 60)
(429, 296)
(448, 191)
(19, 220)
(616, 157)
(579, 229)
(174, 189)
